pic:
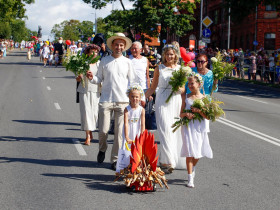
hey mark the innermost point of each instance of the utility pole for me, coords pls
(201, 18)
(228, 43)
(256, 29)
(95, 23)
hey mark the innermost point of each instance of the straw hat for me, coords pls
(119, 36)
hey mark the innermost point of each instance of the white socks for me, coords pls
(190, 180)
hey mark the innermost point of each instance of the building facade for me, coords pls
(261, 28)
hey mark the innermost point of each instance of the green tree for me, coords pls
(86, 29)
(5, 30)
(163, 13)
(147, 15)
(19, 30)
(12, 9)
(155, 13)
(11, 13)
(242, 8)
(71, 29)
(57, 31)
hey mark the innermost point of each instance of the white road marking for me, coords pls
(57, 106)
(79, 147)
(44, 77)
(48, 87)
(253, 99)
(40, 70)
(251, 132)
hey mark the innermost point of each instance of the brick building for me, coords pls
(265, 25)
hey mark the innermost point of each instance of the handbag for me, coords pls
(150, 116)
(123, 159)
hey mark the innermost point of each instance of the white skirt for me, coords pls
(170, 143)
(195, 140)
(89, 110)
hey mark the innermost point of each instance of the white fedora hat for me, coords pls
(128, 42)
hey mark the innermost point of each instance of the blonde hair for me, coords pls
(167, 48)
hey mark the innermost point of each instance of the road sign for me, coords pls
(206, 40)
(137, 36)
(207, 21)
(255, 43)
(206, 33)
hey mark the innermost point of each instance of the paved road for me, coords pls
(43, 165)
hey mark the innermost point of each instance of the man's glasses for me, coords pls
(202, 62)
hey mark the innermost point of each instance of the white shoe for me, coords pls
(190, 183)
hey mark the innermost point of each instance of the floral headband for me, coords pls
(135, 86)
(171, 46)
(200, 80)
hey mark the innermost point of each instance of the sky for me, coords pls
(47, 13)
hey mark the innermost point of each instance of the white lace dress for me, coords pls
(170, 143)
(195, 137)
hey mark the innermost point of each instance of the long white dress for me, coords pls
(89, 99)
(170, 143)
(195, 137)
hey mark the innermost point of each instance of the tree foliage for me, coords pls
(12, 9)
(73, 30)
(242, 8)
(147, 15)
(11, 13)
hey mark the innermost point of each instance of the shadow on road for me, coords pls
(59, 140)
(234, 87)
(46, 122)
(65, 77)
(57, 162)
(96, 182)
(22, 63)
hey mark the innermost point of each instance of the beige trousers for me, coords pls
(105, 110)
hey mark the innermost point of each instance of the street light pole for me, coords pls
(228, 43)
(95, 23)
(201, 17)
(256, 28)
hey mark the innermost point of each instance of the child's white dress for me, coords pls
(134, 123)
(195, 137)
(134, 129)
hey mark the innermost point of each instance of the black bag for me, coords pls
(150, 116)
(77, 93)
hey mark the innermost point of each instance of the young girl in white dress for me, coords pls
(195, 136)
(134, 121)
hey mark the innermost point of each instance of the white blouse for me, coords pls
(115, 75)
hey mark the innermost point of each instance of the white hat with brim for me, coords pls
(128, 42)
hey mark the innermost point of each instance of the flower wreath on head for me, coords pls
(135, 86)
(171, 46)
(200, 80)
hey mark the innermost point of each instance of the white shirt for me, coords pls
(115, 75)
(73, 48)
(140, 66)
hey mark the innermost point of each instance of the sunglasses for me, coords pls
(202, 62)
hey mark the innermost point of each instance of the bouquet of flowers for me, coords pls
(207, 105)
(79, 64)
(178, 79)
(220, 68)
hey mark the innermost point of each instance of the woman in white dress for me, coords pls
(170, 143)
(89, 98)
